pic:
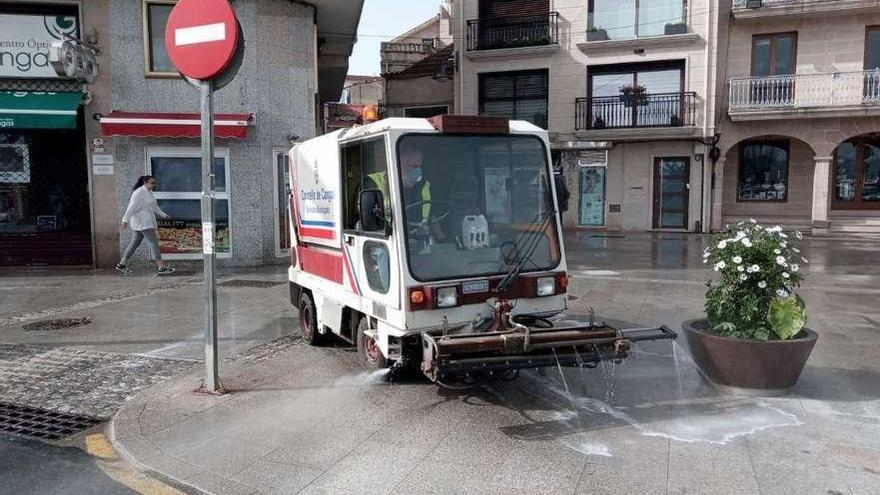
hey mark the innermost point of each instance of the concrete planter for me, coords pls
(748, 367)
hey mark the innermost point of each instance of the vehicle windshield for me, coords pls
(471, 203)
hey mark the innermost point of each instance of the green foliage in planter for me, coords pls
(753, 266)
(787, 316)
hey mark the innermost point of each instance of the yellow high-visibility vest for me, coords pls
(379, 179)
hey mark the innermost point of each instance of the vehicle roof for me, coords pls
(418, 125)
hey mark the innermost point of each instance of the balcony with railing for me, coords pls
(749, 9)
(497, 33)
(642, 111)
(805, 95)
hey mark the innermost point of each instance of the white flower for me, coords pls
(782, 234)
(755, 268)
(783, 244)
(706, 255)
(799, 235)
(740, 268)
(776, 251)
(804, 260)
(785, 275)
(740, 235)
(781, 292)
(743, 276)
(720, 265)
(795, 267)
(796, 250)
(780, 260)
(746, 242)
(722, 244)
(705, 260)
(762, 284)
(753, 220)
(737, 259)
(775, 229)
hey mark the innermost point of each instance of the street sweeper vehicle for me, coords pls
(437, 243)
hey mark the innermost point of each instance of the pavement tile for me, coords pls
(219, 485)
(450, 477)
(710, 469)
(540, 467)
(372, 469)
(320, 447)
(272, 478)
(634, 463)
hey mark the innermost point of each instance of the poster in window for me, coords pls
(182, 233)
(15, 163)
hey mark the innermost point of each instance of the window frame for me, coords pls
(513, 74)
(868, 29)
(860, 143)
(591, 10)
(634, 69)
(782, 143)
(189, 152)
(278, 182)
(148, 43)
(772, 63)
(389, 226)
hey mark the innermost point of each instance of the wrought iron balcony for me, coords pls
(512, 32)
(636, 111)
(820, 93)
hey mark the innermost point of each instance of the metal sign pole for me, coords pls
(212, 359)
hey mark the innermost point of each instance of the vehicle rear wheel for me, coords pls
(368, 348)
(308, 320)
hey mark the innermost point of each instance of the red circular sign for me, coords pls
(201, 37)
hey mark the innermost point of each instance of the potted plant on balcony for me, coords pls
(633, 94)
(675, 28)
(753, 339)
(595, 33)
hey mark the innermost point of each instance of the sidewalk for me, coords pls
(308, 420)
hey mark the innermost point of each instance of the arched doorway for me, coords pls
(855, 175)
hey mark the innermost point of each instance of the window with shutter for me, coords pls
(515, 95)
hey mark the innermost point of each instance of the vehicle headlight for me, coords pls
(447, 297)
(546, 286)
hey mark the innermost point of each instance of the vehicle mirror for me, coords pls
(372, 209)
(562, 193)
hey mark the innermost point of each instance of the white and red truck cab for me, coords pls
(437, 242)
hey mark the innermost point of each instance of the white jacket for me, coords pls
(142, 210)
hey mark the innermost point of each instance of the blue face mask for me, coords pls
(414, 175)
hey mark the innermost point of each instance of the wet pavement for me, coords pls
(309, 420)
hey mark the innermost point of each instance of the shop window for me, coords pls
(763, 171)
(179, 191)
(515, 95)
(156, 58)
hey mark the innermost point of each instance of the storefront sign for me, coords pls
(102, 170)
(102, 159)
(25, 40)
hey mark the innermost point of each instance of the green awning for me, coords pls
(26, 110)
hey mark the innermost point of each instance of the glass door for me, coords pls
(671, 192)
(773, 59)
(282, 203)
(592, 200)
(856, 175)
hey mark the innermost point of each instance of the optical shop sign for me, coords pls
(25, 40)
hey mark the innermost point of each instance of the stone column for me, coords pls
(718, 194)
(821, 172)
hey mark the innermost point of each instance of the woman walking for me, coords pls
(141, 217)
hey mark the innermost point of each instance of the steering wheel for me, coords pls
(434, 218)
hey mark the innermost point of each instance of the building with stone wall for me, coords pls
(72, 178)
(800, 130)
(628, 95)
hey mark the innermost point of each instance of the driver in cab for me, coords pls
(416, 194)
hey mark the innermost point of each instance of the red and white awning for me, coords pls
(173, 125)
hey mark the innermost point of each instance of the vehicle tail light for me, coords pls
(417, 296)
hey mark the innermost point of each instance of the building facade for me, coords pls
(800, 129)
(64, 185)
(627, 91)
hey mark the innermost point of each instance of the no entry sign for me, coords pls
(201, 37)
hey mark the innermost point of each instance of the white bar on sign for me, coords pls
(200, 34)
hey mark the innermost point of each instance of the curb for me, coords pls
(166, 478)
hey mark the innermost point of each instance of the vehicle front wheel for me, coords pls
(308, 320)
(368, 347)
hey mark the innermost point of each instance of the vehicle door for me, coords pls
(372, 254)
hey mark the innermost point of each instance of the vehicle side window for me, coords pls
(377, 263)
(365, 166)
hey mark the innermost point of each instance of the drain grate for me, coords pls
(58, 324)
(41, 424)
(255, 284)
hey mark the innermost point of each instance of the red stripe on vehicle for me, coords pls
(317, 233)
(323, 264)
